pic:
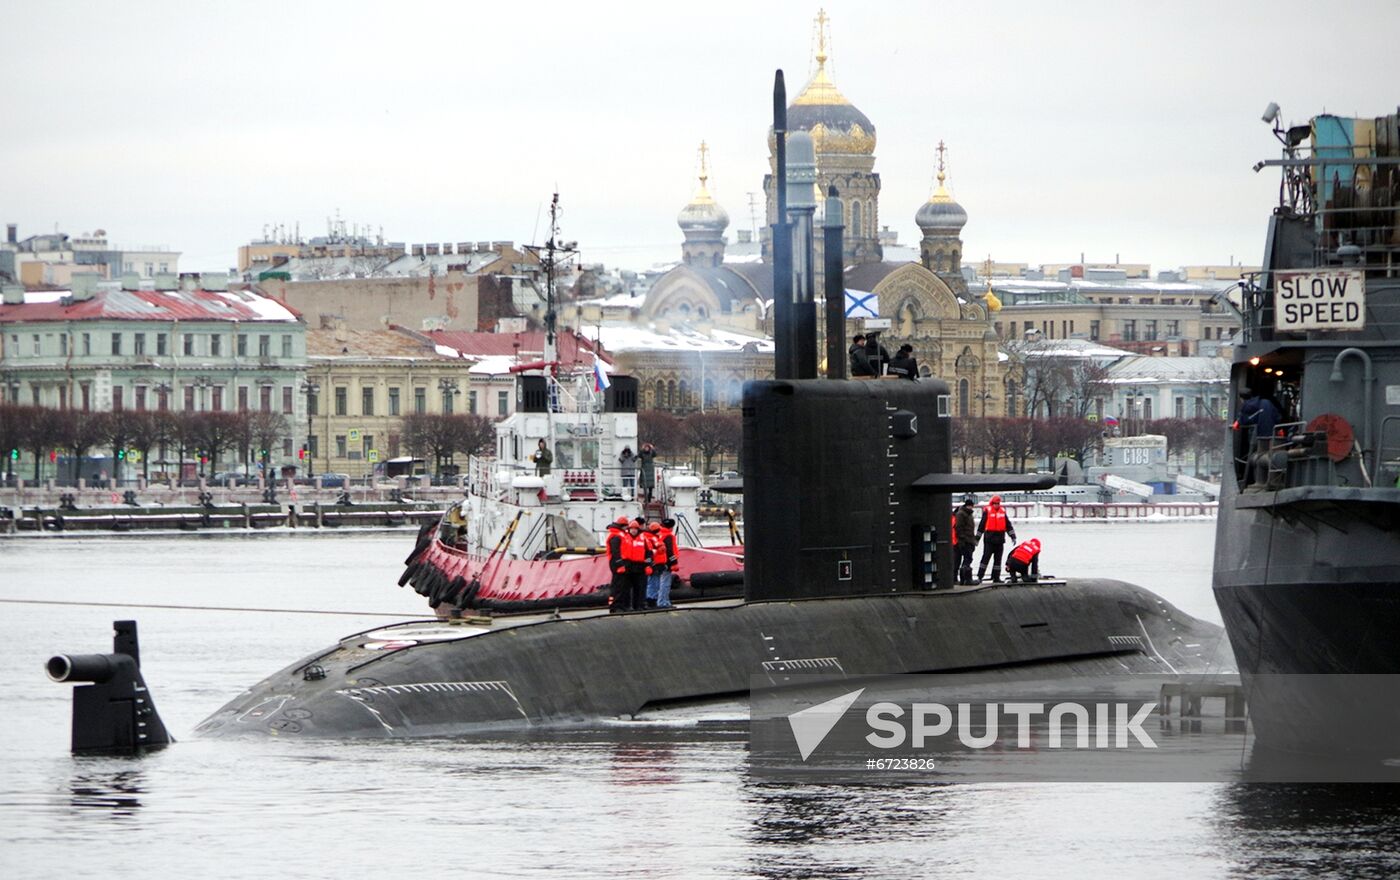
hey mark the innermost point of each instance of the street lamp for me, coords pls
(449, 388)
(984, 396)
(202, 383)
(310, 388)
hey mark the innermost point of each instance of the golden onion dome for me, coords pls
(833, 121)
(941, 214)
(702, 212)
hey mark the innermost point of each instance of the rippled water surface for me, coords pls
(665, 799)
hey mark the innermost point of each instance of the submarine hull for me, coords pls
(435, 679)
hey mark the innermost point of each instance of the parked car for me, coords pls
(333, 481)
(231, 478)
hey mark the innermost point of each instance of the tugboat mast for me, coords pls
(553, 254)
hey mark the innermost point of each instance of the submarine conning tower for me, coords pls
(848, 485)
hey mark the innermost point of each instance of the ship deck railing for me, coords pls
(574, 483)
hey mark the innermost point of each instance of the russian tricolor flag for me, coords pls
(600, 375)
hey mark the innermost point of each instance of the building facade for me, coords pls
(362, 383)
(52, 259)
(196, 347)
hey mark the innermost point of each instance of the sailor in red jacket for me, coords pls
(620, 590)
(993, 530)
(1024, 562)
(658, 582)
(636, 555)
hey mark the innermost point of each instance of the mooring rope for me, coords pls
(206, 608)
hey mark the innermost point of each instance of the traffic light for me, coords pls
(301, 453)
(121, 455)
(203, 459)
(14, 455)
(53, 455)
(262, 453)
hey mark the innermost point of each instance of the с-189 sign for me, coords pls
(1332, 299)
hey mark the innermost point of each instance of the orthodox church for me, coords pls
(924, 303)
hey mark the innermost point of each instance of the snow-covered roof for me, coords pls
(492, 365)
(1141, 369)
(620, 337)
(1073, 347)
(1027, 285)
(147, 305)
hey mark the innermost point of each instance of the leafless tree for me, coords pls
(712, 434)
(662, 430)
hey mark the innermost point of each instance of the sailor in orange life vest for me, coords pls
(636, 552)
(964, 540)
(993, 530)
(663, 562)
(1024, 562)
(620, 590)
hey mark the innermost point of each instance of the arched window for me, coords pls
(709, 393)
(671, 394)
(964, 395)
(938, 261)
(1011, 398)
(870, 220)
(685, 311)
(701, 312)
(659, 401)
(855, 219)
(683, 398)
(736, 392)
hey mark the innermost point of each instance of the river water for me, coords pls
(629, 799)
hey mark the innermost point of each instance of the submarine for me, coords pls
(848, 569)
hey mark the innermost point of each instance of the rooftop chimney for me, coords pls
(12, 233)
(431, 249)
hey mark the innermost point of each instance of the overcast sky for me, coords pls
(1115, 128)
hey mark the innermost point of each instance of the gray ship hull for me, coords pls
(575, 670)
(1306, 582)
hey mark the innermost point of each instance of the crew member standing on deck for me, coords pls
(993, 530)
(636, 554)
(646, 471)
(659, 581)
(860, 361)
(1024, 562)
(620, 590)
(542, 458)
(964, 539)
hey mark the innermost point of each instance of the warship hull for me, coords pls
(1312, 624)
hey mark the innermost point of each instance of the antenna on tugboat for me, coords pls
(551, 255)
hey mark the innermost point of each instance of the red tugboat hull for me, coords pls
(455, 581)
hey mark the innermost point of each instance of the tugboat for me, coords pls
(1307, 549)
(848, 570)
(530, 537)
